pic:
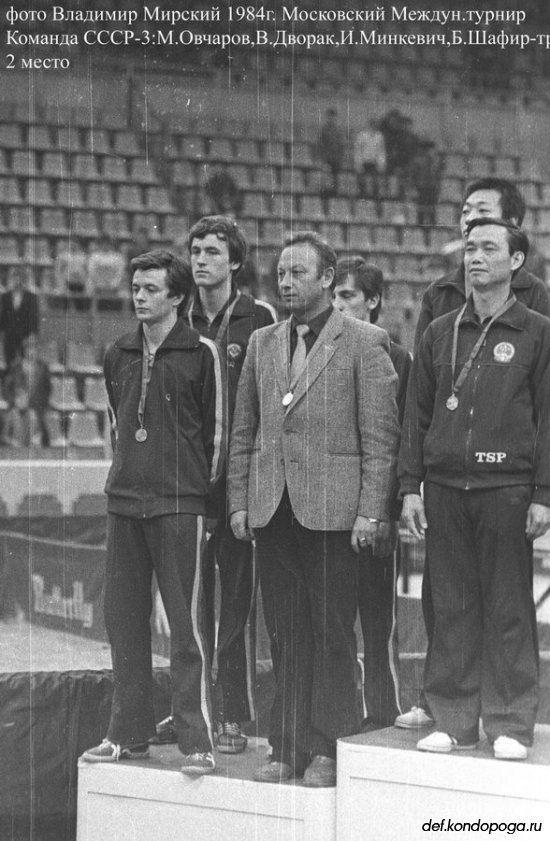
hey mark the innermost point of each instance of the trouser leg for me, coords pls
(288, 622)
(453, 674)
(236, 649)
(330, 568)
(510, 641)
(127, 610)
(377, 612)
(177, 544)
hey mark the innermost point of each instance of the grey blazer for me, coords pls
(334, 446)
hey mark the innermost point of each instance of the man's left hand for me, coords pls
(538, 520)
(363, 533)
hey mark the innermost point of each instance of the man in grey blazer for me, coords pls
(311, 472)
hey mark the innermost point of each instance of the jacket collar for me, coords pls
(514, 317)
(244, 305)
(521, 280)
(181, 337)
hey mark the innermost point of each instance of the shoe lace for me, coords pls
(231, 728)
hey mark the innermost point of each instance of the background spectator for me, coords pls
(27, 390)
(425, 178)
(70, 267)
(369, 159)
(223, 194)
(18, 313)
(331, 149)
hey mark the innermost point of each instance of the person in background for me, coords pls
(19, 313)
(331, 149)
(358, 293)
(70, 267)
(369, 160)
(27, 389)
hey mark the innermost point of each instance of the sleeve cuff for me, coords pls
(541, 495)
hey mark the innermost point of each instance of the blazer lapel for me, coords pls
(280, 357)
(319, 356)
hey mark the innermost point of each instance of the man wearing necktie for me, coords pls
(311, 470)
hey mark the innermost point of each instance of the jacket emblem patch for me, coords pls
(504, 352)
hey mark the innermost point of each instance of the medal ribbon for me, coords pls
(147, 361)
(458, 383)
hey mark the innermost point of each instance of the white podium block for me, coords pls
(152, 800)
(388, 790)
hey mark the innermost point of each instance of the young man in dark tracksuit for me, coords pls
(477, 433)
(227, 317)
(499, 199)
(165, 386)
(358, 293)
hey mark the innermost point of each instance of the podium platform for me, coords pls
(389, 790)
(152, 799)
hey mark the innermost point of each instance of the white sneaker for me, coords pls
(507, 748)
(416, 717)
(438, 742)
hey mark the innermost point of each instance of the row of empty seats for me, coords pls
(49, 505)
(71, 138)
(85, 166)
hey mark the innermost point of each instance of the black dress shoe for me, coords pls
(321, 773)
(274, 772)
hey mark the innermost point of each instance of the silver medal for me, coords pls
(452, 403)
(141, 435)
(287, 399)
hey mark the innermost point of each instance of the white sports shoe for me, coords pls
(507, 748)
(416, 717)
(438, 742)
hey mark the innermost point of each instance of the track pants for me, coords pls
(173, 547)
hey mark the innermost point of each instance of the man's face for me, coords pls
(210, 262)
(351, 301)
(487, 259)
(301, 286)
(479, 204)
(151, 299)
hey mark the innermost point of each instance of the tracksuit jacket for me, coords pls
(499, 434)
(185, 417)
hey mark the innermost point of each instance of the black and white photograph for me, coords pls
(274, 420)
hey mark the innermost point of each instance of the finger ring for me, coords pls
(362, 540)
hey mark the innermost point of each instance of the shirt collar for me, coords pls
(514, 317)
(316, 324)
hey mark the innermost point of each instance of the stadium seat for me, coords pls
(99, 195)
(9, 191)
(53, 221)
(115, 224)
(255, 204)
(97, 141)
(283, 206)
(129, 197)
(90, 505)
(273, 232)
(141, 171)
(39, 505)
(359, 238)
(84, 223)
(292, 181)
(125, 143)
(70, 194)
(24, 163)
(248, 151)
(95, 394)
(49, 352)
(68, 138)
(221, 149)
(9, 250)
(300, 154)
(414, 240)
(365, 210)
(38, 191)
(64, 396)
(22, 220)
(157, 199)
(183, 172)
(265, 178)
(274, 152)
(340, 210)
(347, 184)
(86, 167)
(36, 250)
(84, 432)
(312, 208)
(333, 234)
(55, 164)
(81, 358)
(4, 169)
(10, 136)
(39, 137)
(114, 169)
(193, 148)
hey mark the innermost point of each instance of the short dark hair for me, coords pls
(512, 202)
(367, 277)
(225, 229)
(517, 238)
(326, 255)
(178, 274)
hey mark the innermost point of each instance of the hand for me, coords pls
(414, 516)
(538, 520)
(386, 539)
(363, 533)
(239, 524)
(211, 525)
